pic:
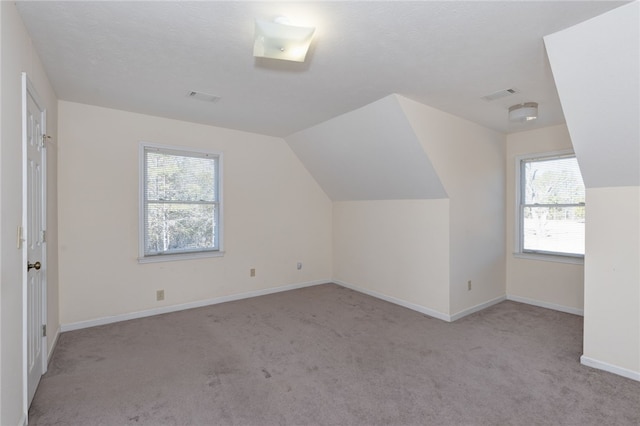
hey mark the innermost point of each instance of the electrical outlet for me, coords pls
(159, 295)
(299, 265)
(469, 285)
(252, 272)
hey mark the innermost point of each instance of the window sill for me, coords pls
(575, 260)
(180, 256)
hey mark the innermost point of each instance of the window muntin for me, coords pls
(181, 203)
(551, 206)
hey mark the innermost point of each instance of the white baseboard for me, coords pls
(53, 344)
(542, 304)
(181, 307)
(477, 308)
(419, 308)
(620, 371)
(412, 306)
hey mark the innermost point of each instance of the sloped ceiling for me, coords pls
(371, 153)
(596, 66)
(145, 56)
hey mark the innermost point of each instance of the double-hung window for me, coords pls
(180, 203)
(551, 206)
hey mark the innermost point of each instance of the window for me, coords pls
(551, 206)
(180, 206)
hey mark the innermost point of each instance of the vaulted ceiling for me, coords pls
(603, 119)
(146, 56)
(371, 153)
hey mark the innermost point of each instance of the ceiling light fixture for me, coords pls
(527, 111)
(281, 40)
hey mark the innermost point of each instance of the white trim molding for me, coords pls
(54, 342)
(419, 308)
(610, 368)
(477, 308)
(217, 248)
(518, 242)
(181, 307)
(422, 309)
(574, 260)
(548, 305)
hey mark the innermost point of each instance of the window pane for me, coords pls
(180, 178)
(554, 181)
(554, 229)
(179, 227)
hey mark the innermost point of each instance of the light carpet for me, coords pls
(327, 355)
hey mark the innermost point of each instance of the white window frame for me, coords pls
(519, 223)
(185, 255)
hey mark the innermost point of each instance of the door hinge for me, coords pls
(44, 140)
(20, 238)
(44, 236)
(44, 330)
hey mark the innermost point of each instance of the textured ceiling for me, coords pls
(146, 56)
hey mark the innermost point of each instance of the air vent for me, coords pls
(500, 94)
(201, 96)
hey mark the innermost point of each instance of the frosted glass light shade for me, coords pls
(523, 112)
(277, 40)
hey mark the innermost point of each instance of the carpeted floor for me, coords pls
(326, 355)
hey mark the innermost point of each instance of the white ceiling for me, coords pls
(603, 119)
(359, 156)
(146, 56)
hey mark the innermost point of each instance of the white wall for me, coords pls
(469, 160)
(18, 55)
(551, 284)
(396, 249)
(1, 216)
(376, 241)
(612, 280)
(370, 153)
(275, 215)
(596, 66)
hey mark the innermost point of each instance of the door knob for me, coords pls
(35, 266)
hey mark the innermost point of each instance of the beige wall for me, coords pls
(18, 55)
(275, 215)
(422, 253)
(551, 284)
(612, 279)
(469, 160)
(604, 127)
(395, 248)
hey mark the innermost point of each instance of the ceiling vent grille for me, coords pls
(500, 94)
(201, 96)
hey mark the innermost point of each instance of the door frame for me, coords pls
(28, 90)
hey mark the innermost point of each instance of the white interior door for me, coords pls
(34, 234)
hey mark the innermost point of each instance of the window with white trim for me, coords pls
(551, 206)
(181, 204)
